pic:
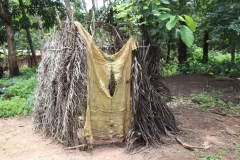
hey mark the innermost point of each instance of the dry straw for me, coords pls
(61, 93)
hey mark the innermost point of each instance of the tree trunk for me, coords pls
(40, 33)
(69, 10)
(182, 49)
(4, 12)
(96, 4)
(168, 50)
(29, 37)
(13, 66)
(93, 6)
(205, 47)
(29, 58)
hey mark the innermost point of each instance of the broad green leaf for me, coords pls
(145, 7)
(189, 21)
(171, 23)
(157, 2)
(164, 16)
(156, 13)
(161, 24)
(165, 1)
(121, 15)
(154, 6)
(181, 18)
(146, 13)
(186, 35)
(165, 9)
(153, 31)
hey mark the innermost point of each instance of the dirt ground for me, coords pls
(206, 134)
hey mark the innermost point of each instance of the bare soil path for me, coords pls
(216, 133)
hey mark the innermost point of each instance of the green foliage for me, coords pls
(219, 64)
(203, 99)
(46, 9)
(171, 23)
(79, 15)
(189, 21)
(223, 22)
(236, 109)
(21, 40)
(43, 8)
(12, 107)
(212, 157)
(21, 88)
(2, 56)
(238, 148)
(168, 69)
(90, 146)
(154, 17)
(131, 22)
(186, 35)
(16, 98)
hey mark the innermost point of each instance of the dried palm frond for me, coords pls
(151, 117)
(61, 91)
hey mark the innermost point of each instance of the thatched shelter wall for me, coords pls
(60, 99)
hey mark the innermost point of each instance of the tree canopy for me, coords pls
(213, 23)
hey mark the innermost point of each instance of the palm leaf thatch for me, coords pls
(61, 92)
(151, 117)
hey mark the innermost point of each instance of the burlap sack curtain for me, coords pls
(107, 116)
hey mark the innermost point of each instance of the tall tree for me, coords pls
(205, 47)
(181, 7)
(7, 17)
(27, 29)
(222, 22)
(69, 10)
(202, 8)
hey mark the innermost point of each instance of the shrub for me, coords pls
(16, 98)
(12, 107)
(219, 64)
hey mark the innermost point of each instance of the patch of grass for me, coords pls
(204, 100)
(12, 107)
(212, 157)
(17, 95)
(238, 148)
(223, 151)
(216, 156)
(21, 88)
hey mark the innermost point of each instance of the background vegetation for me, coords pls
(193, 35)
(17, 94)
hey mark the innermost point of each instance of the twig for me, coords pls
(82, 147)
(190, 147)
